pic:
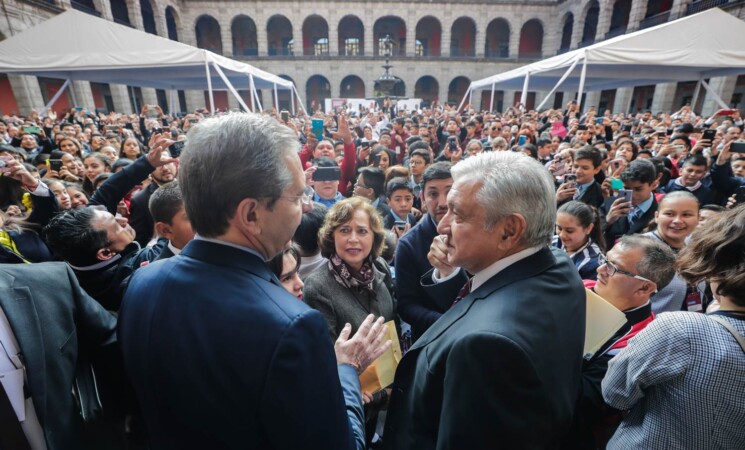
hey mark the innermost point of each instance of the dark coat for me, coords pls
(222, 356)
(416, 306)
(140, 218)
(500, 369)
(621, 227)
(593, 196)
(53, 320)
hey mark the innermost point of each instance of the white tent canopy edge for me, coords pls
(690, 48)
(123, 55)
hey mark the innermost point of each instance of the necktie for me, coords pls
(635, 215)
(465, 290)
(577, 194)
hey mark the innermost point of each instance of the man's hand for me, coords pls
(566, 191)
(620, 209)
(438, 256)
(158, 146)
(365, 347)
(343, 132)
(15, 170)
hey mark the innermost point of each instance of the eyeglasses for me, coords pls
(414, 162)
(305, 199)
(358, 184)
(612, 269)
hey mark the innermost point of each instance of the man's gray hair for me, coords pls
(229, 158)
(658, 262)
(513, 183)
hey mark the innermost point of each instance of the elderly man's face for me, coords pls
(470, 246)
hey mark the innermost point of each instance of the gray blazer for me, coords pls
(340, 305)
(53, 320)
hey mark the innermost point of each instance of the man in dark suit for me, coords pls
(415, 305)
(219, 353)
(501, 368)
(52, 320)
(622, 217)
(584, 188)
(140, 218)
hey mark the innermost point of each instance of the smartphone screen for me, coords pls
(521, 140)
(318, 128)
(709, 134)
(737, 147)
(327, 174)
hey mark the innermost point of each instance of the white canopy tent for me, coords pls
(77, 46)
(704, 45)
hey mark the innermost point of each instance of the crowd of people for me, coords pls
(222, 281)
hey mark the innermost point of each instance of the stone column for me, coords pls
(194, 100)
(447, 28)
(664, 96)
(410, 35)
(604, 17)
(577, 29)
(226, 36)
(679, 8)
(638, 10)
(369, 24)
(149, 97)
(297, 39)
(481, 25)
(591, 99)
(83, 95)
(267, 99)
(121, 96)
(334, 38)
(622, 100)
(135, 14)
(261, 35)
(233, 102)
(27, 92)
(724, 87)
(104, 7)
(514, 39)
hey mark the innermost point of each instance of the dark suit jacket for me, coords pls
(621, 226)
(140, 218)
(222, 356)
(389, 220)
(501, 369)
(415, 305)
(593, 196)
(52, 319)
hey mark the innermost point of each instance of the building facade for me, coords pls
(333, 48)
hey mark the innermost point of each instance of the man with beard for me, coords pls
(139, 214)
(416, 306)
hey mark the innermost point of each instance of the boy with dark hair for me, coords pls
(306, 237)
(400, 200)
(587, 164)
(622, 217)
(693, 171)
(171, 222)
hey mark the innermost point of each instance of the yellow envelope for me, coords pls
(380, 373)
(603, 321)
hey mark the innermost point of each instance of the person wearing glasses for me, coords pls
(632, 271)
(681, 378)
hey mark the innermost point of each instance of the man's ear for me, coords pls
(164, 230)
(247, 215)
(105, 254)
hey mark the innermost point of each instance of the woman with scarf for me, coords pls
(356, 282)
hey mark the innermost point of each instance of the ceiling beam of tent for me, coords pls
(464, 98)
(209, 85)
(253, 91)
(715, 96)
(57, 95)
(229, 84)
(276, 99)
(524, 94)
(561, 80)
(580, 103)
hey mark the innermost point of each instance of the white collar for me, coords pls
(498, 266)
(173, 249)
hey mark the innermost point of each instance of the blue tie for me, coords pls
(635, 215)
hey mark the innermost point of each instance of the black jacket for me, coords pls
(54, 321)
(140, 218)
(621, 226)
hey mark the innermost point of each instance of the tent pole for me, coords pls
(299, 101)
(276, 99)
(464, 99)
(561, 80)
(256, 94)
(580, 103)
(170, 101)
(73, 92)
(696, 92)
(491, 99)
(715, 96)
(229, 84)
(524, 95)
(57, 95)
(470, 99)
(209, 86)
(292, 100)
